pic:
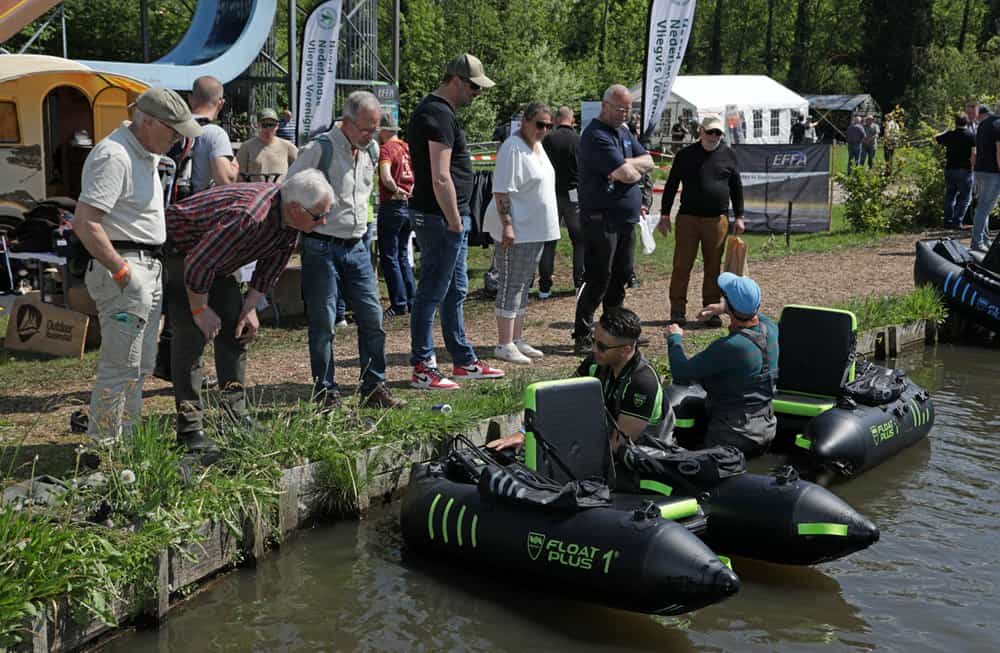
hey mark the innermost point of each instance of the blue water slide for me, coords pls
(224, 38)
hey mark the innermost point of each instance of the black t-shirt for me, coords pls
(637, 392)
(798, 132)
(987, 136)
(435, 120)
(958, 145)
(710, 180)
(561, 146)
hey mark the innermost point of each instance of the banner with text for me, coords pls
(774, 175)
(319, 70)
(670, 25)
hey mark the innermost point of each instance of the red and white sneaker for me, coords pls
(477, 370)
(426, 377)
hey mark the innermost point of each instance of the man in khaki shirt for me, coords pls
(335, 258)
(265, 157)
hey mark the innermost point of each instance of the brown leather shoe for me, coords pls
(380, 397)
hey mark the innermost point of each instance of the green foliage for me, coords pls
(865, 207)
(923, 303)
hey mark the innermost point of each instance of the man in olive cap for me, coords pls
(120, 220)
(440, 213)
(265, 157)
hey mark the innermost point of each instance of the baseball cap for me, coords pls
(388, 123)
(168, 107)
(742, 293)
(712, 122)
(267, 114)
(469, 67)
(983, 109)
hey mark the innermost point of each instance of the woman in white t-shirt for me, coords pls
(521, 218)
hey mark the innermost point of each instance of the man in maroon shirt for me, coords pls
(395, 172)
(210, 236)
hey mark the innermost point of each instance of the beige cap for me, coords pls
(168, 107)
(712, 122)
(267, 114)
(469, 67)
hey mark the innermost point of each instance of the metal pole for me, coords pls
(62, 18)
(788, 227)
(395, 44)
(144, 28)
(293, 64)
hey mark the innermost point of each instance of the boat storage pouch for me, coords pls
(702, 469)
(953, 251)
(874, 385)
(515, 483)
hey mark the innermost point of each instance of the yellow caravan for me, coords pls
(52, 110)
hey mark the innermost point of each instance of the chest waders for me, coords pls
(746, 420)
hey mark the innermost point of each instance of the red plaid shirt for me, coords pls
(224, 228)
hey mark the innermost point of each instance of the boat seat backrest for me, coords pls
(816, 350)
(568, 415)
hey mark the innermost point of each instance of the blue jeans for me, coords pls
(444, 282)
(853, 155)
(327, 269)
(393, 235)
(957, 195)
(341, 302)
(988, 189)
(867, 154)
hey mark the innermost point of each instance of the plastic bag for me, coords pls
(647, 224)
(736, 257)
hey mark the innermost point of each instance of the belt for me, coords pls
(343, 242)
(128, 245)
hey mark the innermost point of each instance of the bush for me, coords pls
(865, 207)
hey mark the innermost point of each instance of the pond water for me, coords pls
(930, 584)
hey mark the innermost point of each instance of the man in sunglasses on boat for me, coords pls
(738, 371)
(210, 235)
(633, 394)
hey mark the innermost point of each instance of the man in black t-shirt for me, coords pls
(987, 176)
(799, 130)
(560, 146)
(440, 215)
(960, 157)
(711, 179)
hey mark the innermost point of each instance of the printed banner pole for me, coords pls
(669, 27)
(319, 70)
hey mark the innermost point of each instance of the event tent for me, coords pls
(834, 112)
(755, 108)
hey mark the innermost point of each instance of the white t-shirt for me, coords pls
(529, 178)
(120, 179)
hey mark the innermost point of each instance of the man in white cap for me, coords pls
(120, 220)
(708, 171)
(738, 371)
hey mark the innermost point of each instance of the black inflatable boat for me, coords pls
(834, 414)
(969, 281)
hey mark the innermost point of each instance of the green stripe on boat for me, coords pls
(430, 516)
(656, 486)
(684, 422)
(679, 509)
(726, 561)
(787, 407)
(823, 528)
(444, 519)
(475, 523)
(803, 442)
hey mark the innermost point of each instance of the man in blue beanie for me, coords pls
(738, 371)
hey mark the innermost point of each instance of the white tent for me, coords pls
(754, 108)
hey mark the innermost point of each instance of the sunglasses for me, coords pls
(474, 86)
(316, 218)
(604, 348)
(714, 132)
(541, 124)
(268, 125)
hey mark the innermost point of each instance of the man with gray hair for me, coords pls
(335, 258)
(611, 162)
(119, 219)
(210, 236)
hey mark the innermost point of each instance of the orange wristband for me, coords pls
(199, 310)
(118, 276)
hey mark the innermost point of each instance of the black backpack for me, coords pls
(874, 385)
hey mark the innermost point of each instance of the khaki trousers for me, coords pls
(689, 232)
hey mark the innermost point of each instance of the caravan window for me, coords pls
(9, 131)
(758, 123)
(775, 122)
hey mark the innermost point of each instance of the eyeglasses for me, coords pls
(714, 132)
(316, 218)
(472, 85)
(604, 348)
(541, 124)
(176, 134)
(268, 125)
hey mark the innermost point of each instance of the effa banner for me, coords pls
(774, 175)
(319, 70)
(670, 24)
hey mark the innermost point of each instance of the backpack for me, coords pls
(874, 385)
(326, 154)
(181, 155)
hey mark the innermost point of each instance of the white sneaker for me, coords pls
(510, 353)
(341, 325)
(544, 295)
(527, 349)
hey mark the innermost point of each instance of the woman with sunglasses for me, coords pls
(522, 217)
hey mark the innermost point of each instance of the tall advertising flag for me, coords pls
(670, 25)
(319, 70)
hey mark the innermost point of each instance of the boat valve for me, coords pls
(647, 510)
(785, 474)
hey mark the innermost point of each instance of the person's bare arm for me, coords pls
(444, 186)
(626, 173)
(89, 228)
(642, 163)
(972, 159)
(225, 170)
(506, 219)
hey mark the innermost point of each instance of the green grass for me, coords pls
(923, 303)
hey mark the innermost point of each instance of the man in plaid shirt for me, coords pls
(210, 235)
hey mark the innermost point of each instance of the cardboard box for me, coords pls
(37, 326)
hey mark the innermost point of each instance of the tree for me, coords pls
(896, 36)
(798, 76)
(715, 58)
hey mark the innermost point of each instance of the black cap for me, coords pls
(983, 109)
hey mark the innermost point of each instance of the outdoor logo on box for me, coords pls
(535, 543)
(29, 322)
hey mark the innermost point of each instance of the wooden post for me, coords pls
(40, 633)
(162, 585)
(881, 345)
